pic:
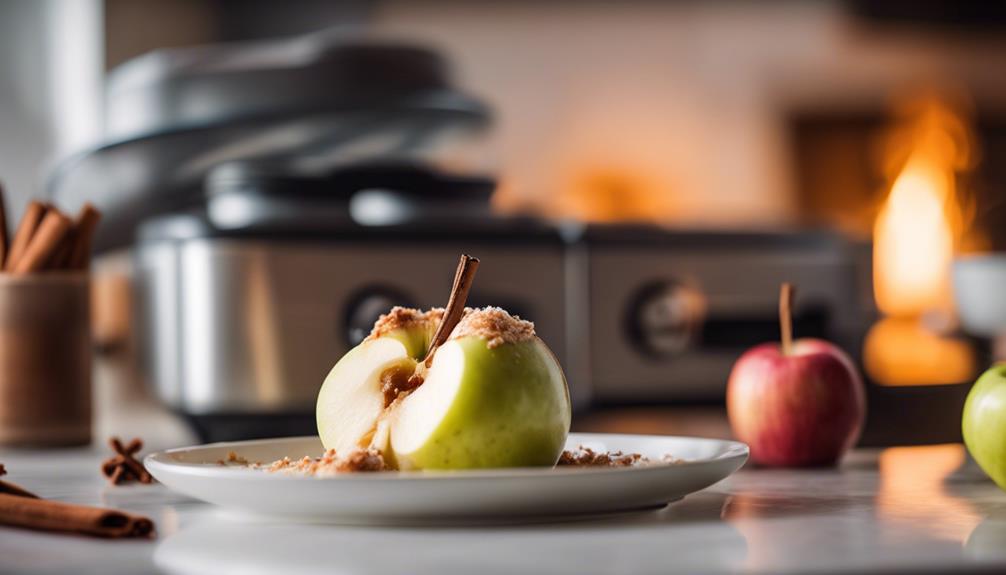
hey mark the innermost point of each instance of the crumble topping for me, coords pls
(362, 460)
(494, 325)
(404, 317)
(233, 458)
(330, 463)
(587, 457)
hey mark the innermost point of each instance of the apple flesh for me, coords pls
(984, 423)
(351, 400)
(478, 406)
(798, 409)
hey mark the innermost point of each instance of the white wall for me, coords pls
(50, 82)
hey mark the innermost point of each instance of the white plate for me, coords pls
(427, 497)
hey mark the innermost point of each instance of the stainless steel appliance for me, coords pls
(246, 318)
(668, 312)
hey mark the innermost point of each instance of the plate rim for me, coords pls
(157, 461)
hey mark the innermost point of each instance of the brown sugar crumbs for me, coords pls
(233, 458)
(405, 317)
(494, 325)
(587, 457)
(330, 463)
(371, 460)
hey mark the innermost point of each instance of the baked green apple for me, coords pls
(984, 423)
(492, 395)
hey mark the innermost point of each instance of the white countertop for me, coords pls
(901, 510)
(905, 509)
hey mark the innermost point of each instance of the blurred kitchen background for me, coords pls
(638, 177)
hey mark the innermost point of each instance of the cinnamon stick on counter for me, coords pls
(30, 221)
(21, 508)
(44, 243)
(45, 515)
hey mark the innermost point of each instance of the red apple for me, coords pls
(798, 404)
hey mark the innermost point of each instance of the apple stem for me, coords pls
(463, 279)
(786, 294)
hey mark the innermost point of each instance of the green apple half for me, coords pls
(480, 405)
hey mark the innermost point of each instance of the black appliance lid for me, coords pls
(275, 196)
(174, 115)
(197, 224)
(200, 87)
(278, 178)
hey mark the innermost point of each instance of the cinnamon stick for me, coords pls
(30, 221)
(44, 243)
(45, 515)
(464, 276)
(61, 259)
(83, 237)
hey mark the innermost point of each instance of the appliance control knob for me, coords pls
(364, 309)
(666, 318)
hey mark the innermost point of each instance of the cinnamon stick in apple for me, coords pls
(464, 276)
(44, 242)
(30, 221)
(45, 515)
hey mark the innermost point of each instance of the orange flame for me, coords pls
(914, 242)
(916, 234)
(920, 223)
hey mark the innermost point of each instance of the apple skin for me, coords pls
(512, 409)
(804, 409)
(984, 423)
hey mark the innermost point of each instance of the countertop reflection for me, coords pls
(900, 509)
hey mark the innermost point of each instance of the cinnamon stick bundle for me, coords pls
(45, 515)
(46, 239)
(44, 242)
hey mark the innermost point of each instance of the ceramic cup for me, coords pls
(979, 295)
(45, 359)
